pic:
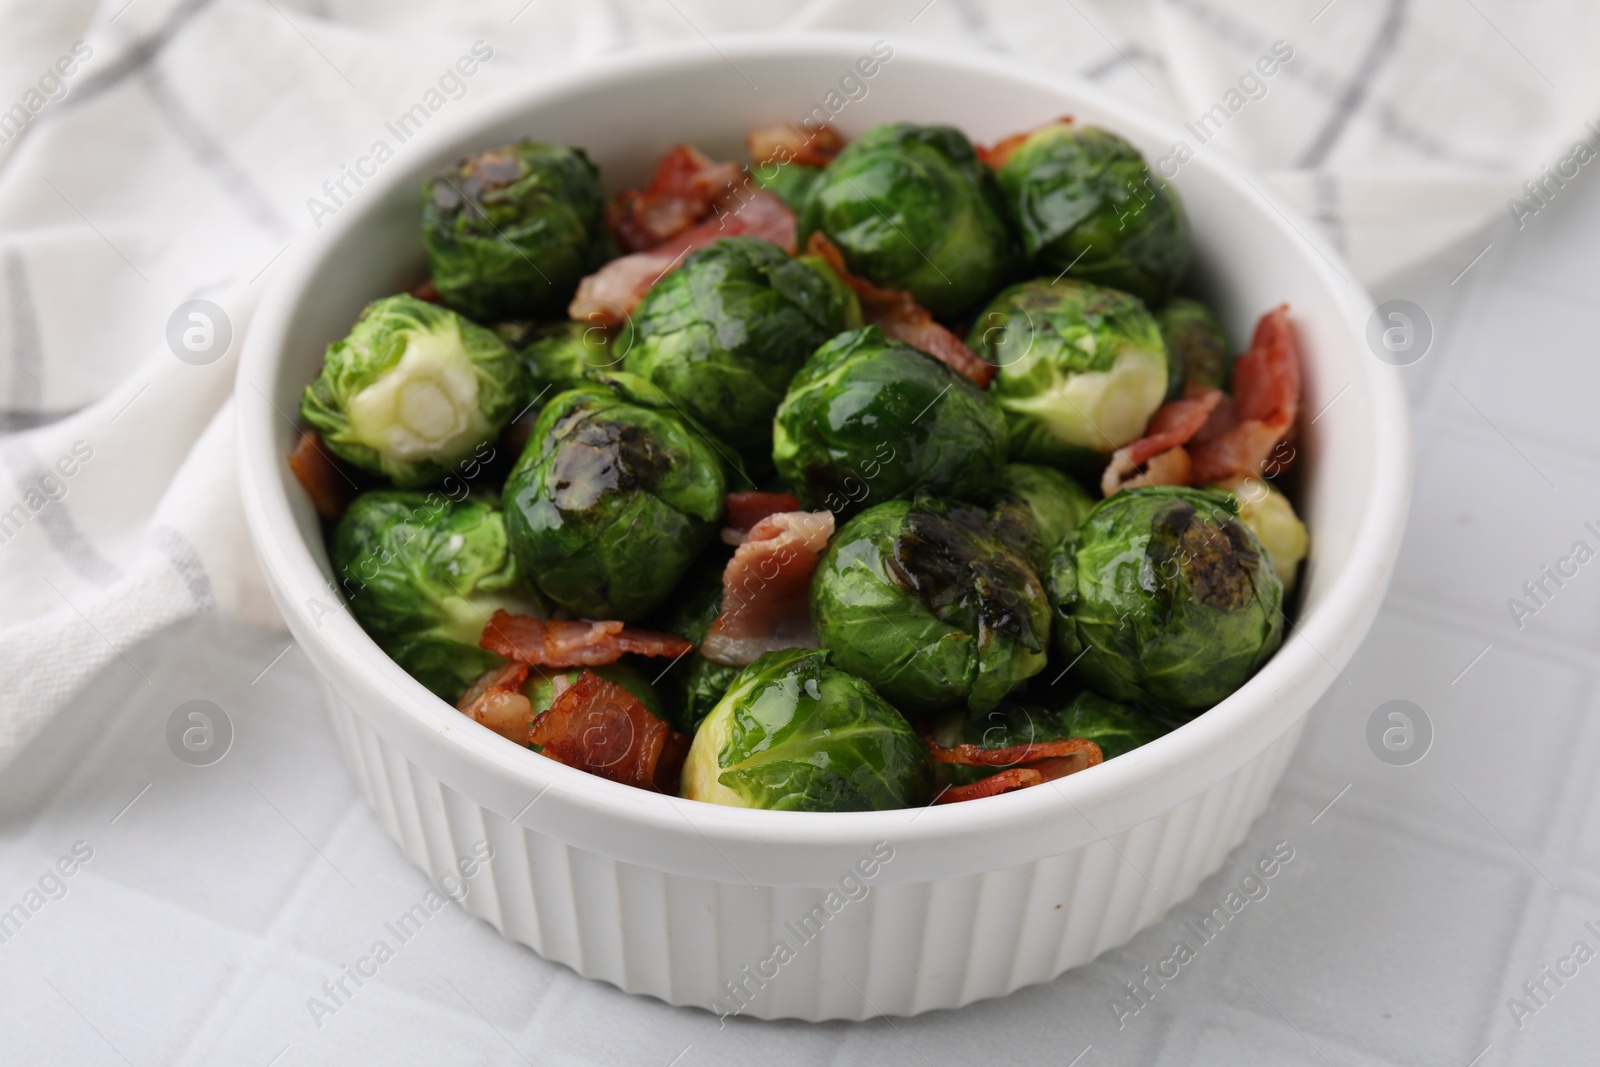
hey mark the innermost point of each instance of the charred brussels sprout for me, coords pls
(1197, 349)
(1038, 507)
(1272, 519)
(794, 733)
(868, 417)
(1165, 598)
(912, 207)
(613, 498)
(1115, 727)
(510, 231)
(694, 684)
(926, 602)
(724, 333)
(413, 390)
(1082, 368)
(1086, 203)
(424, 574)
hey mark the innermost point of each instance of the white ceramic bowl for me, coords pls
(691, 902)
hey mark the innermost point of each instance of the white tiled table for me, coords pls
(1415, 905)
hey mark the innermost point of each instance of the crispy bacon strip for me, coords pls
(424, 290)
(898, 314)
(1161, 450)
(787, 143)
(747, 509)
(994, 785)
(998, 154)
(608, 296)
(764, 588)
(319, 474)
(682, 192)
(1029, 764)
(572, 643)
(496, 701)
(1266, 390)
(600, 727)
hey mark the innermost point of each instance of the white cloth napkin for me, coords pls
(154, 152)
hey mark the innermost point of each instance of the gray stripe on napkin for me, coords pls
(185, 559)
(27, 389)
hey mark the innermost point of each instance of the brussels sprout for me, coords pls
(424, 574)
(1082, 368)
(694, 684)
(790, 182)
(413, 390)
(1086, 203)
(926, 602)
(1197, 349)
(1165, 598)
(1115, 727)
(1038, 507)
(867, 416)
(794, 733)
(912, 207)
(724, 333)
(613, 498)
(1271, 517)
(565, 353)
(511, 231)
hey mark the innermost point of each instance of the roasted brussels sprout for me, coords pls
(1115, 727)
(1197, 349)
(868, 417)
(1038, 507)
(912, 207)
(794, 733)
(510, 232)
(413, 391)
(694, 684)
(1164, 598)
(613, 498)
(1082, 368)
(1085, 203)
(724, 333)
(790, 182)
(926, 602)
(423, 575)
(565, 353)
(1271, 517)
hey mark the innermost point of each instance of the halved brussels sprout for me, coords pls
(693, 685)
(928, 604)
(794, 733)
(510, 232)
(912, 207)
(1117, 728)
(1271, 517)
(613, 498)
(424, 575)
(1082, 368)
(724, 333)
(1038, 507)
(413, 391)
(870, 418)
(1086, 203)
(1165, 598)
(1197, 349)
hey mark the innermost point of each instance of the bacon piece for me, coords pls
(608, 296)
(327, 484)
(747, 509)
(1031, 764)
(1266, 390)
(572, 643)
(681, 193)
(496, 701)
(787, 143)
(999, 154)
(897, 313)
(765, 586)
(600, 727)
(994, 785)
(424, 290)
(1161, 449)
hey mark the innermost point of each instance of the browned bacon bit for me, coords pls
(1161, 450)
(765, 586)
(572, 643)
(424, 290)
(681, 193)
(1029, 764)
(327, 484)
(998, 154)
(994, 785)
(600, 727)
(608, 296)
(747, 509)
(787, 143)
(496, 701)
(1266, 391)
(897, 313)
